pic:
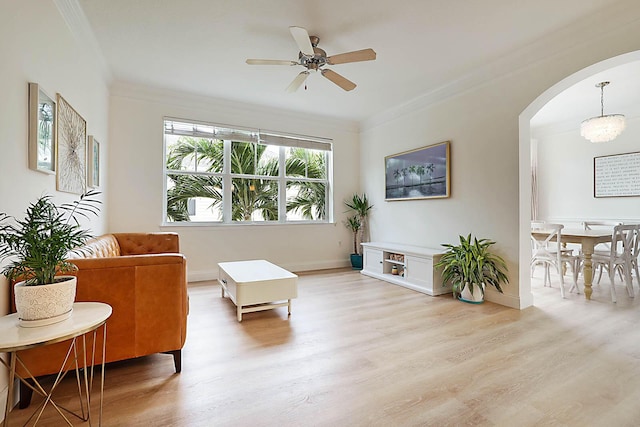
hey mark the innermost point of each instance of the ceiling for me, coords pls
(582, 100)
(200, 46)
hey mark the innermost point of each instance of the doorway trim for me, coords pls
(525, 294)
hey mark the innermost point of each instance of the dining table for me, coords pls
(587, 239)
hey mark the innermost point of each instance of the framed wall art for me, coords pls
(42, 130)
(72, 144)
(617, 175)
(423, 173)
(93, 176)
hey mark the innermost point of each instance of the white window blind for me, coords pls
(202, 130)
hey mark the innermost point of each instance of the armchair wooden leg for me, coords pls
(177, 359)
(25, 394)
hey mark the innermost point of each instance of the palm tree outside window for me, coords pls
(220, 175)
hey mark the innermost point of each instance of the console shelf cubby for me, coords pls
(414, 266)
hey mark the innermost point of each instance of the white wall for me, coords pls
(565, 168)
(136, 129)
(482, 122)
(484, 156)
(37, 46)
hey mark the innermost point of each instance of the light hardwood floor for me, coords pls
(361, 352)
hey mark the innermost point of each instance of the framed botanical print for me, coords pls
(93, 176)
(42, 130)
(71, 153)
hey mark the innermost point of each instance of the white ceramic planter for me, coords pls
(476, 298)
(45, 304)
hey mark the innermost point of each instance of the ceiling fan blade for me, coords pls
(297, 82)
(270, 62)
(301, 36)
(339, 80)
(355, 56)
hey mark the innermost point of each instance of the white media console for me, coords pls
(413, 265)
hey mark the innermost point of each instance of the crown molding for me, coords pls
(80, 28)
(606, 22)
(158, 95)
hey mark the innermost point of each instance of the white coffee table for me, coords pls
(257, 285)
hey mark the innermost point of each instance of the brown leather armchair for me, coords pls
(143, 277)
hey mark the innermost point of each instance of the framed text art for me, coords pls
(42, 130)
(93, 176)
(72, 144)
(616, 175)
(423, 173)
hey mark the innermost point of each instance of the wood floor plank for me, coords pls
(361, 352)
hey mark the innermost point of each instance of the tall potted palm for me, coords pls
(360, 207)
(354, 224)
(38, 248)
(470, 267)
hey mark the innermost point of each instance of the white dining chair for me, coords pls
(625, 243)
(547, 249)
(601, 248)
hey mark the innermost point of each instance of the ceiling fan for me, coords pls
(313, 58)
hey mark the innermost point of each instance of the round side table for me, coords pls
(87, 317)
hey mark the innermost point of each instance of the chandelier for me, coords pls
(602, 128)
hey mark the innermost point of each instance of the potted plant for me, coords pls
(354, 224)
(470, 267)
(37, 248)
(357, 223)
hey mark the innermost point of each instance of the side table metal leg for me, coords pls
(12, 375)
(86, 381)
(93, 362)
(75, 353)
(104, 355)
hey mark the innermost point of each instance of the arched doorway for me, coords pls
(525, 294)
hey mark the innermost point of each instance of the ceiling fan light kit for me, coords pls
(313, 58)
(603, 128)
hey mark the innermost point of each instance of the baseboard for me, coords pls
(3, 398)
(3, 402)
(202, 276)
(511, 301)
(212, 274)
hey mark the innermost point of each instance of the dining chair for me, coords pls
(625, 243)
(601, 248)
(539, 224)
(547, 249)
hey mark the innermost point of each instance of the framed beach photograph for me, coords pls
(423, 173)
(42, 130)
(93, 169)
(72, 145)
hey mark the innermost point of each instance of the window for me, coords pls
(216, 174)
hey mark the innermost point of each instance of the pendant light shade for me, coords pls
(603, 128)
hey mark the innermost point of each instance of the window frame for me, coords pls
(280, 140)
